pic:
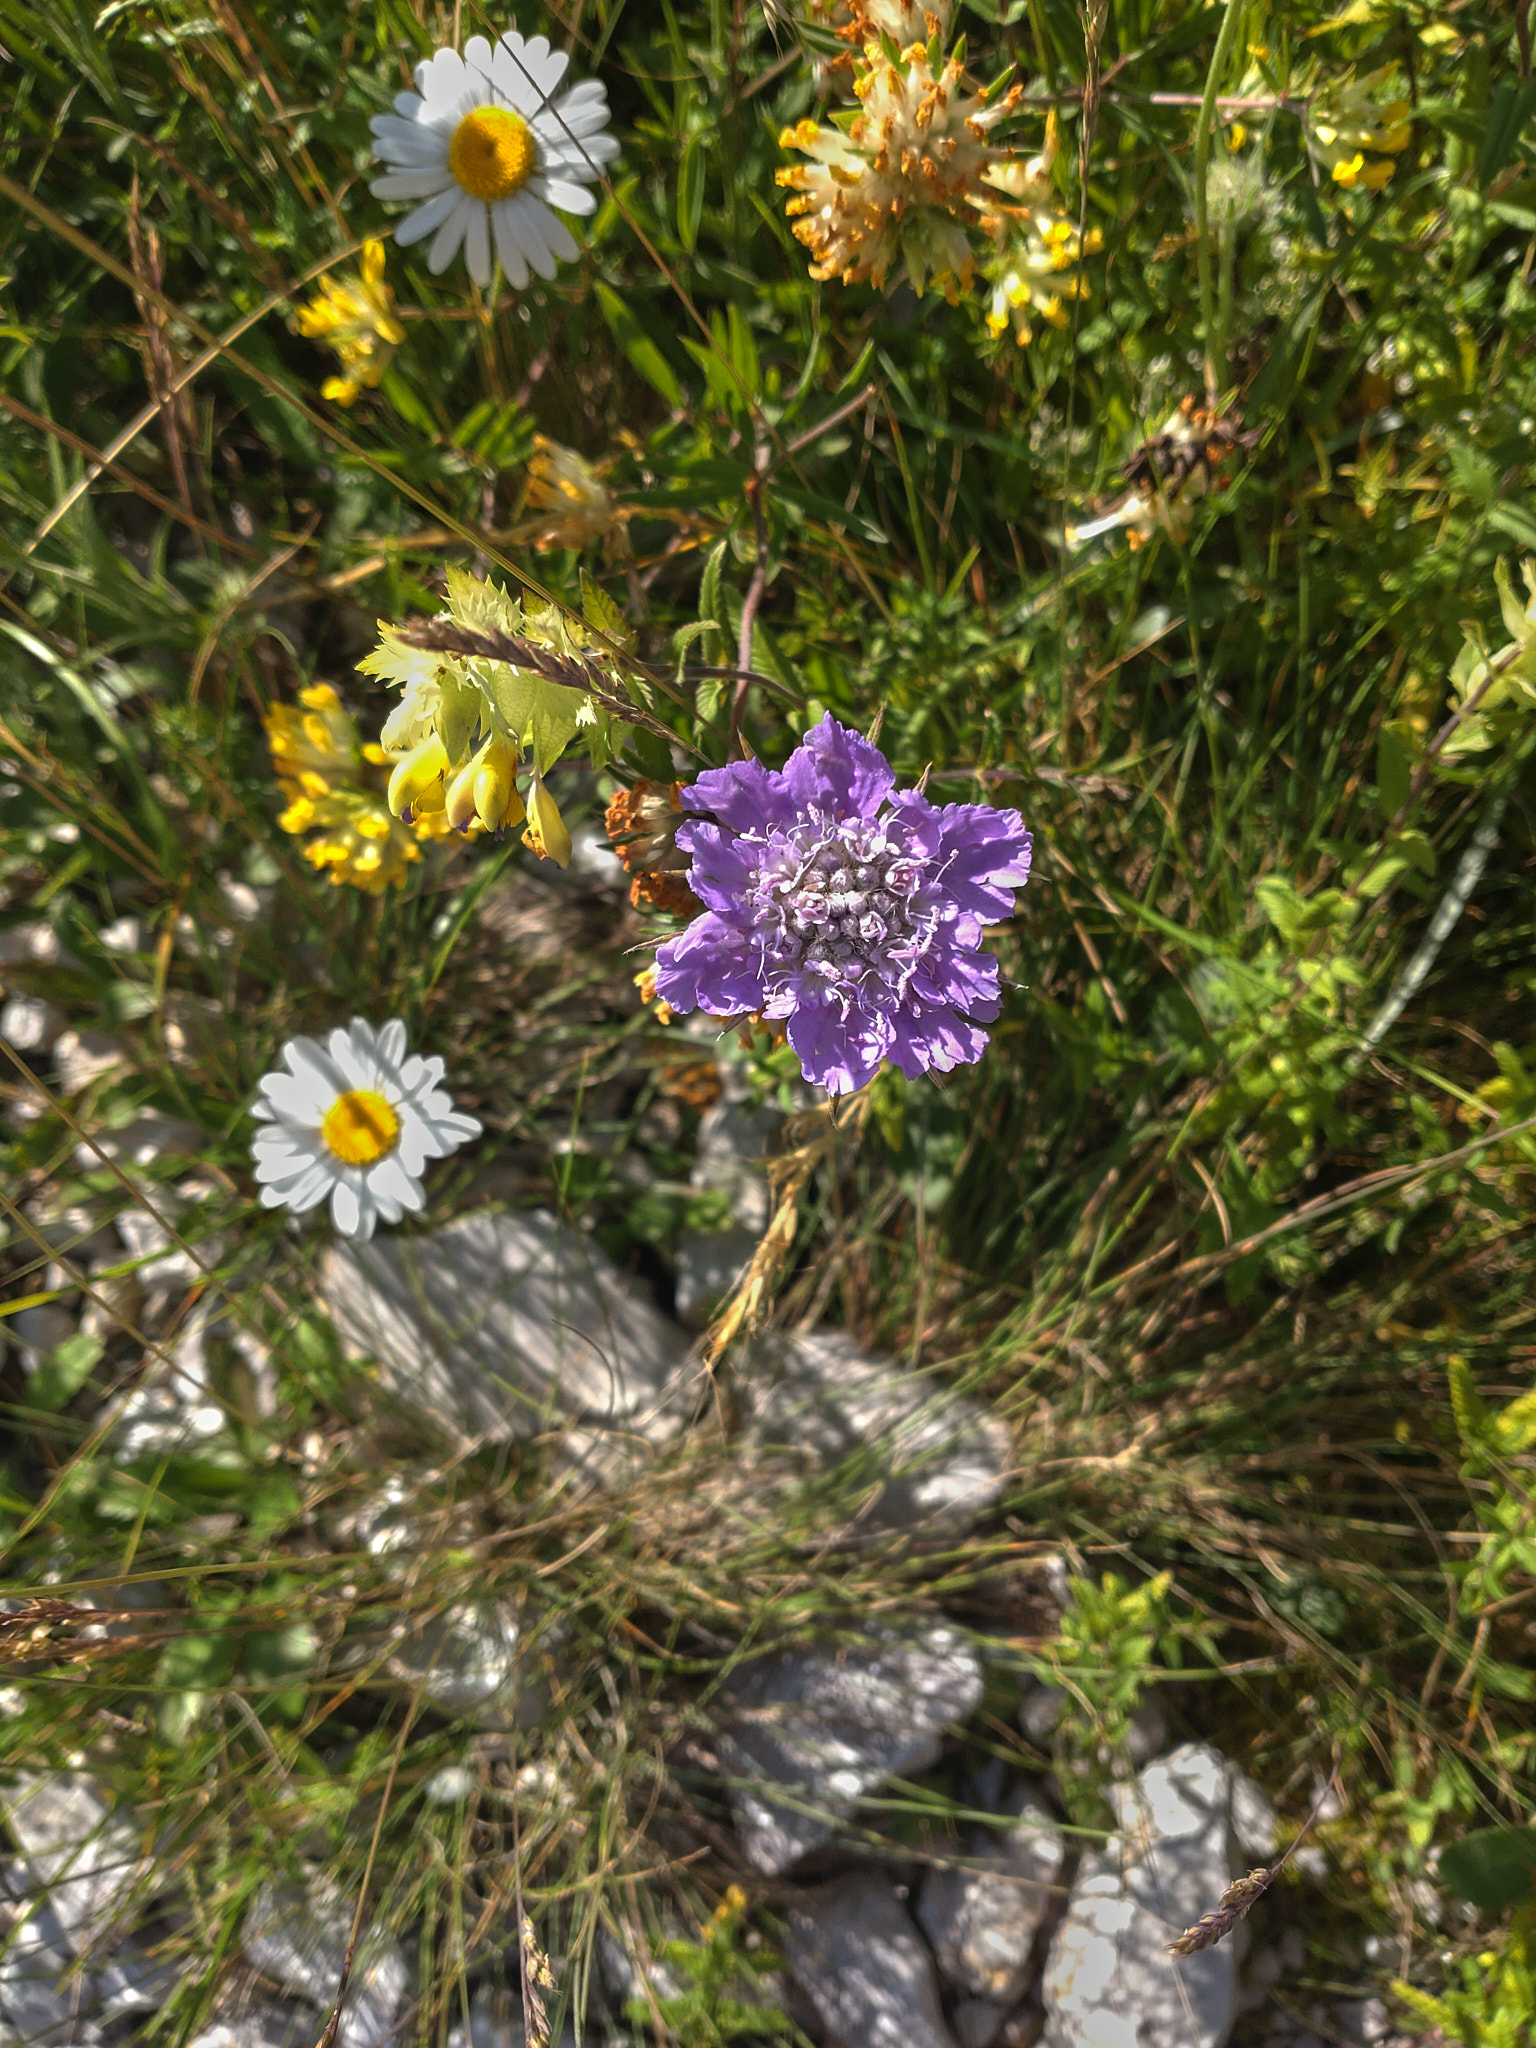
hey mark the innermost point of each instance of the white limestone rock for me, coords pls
(30, 1023)
(503, 1326)
(853, 1950)
(982, 1920)
(935, 1459)
(298, 1938)
(1109, 1979)
(75, 1852)
(804, 1734)
(469, 1661)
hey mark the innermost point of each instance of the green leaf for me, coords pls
(603, 613)
(690, 191)
(1394, 768)
(1493, 1867)
(63, 1373)
(1510, 108)
(639, 347)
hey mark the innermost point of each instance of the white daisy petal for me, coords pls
(542, 235)
(422, 184)
(449, 238)
(512, 181)
(426, 220)
(346, 1209)
(373, 1172)
(477, 247)
(415, 140)
(477, 62)
(562, 193)
(528, 72)
(389, 1183)
(508, 248)
(440, 77)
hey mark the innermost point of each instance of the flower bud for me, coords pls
(415, 773)
(459, 802)
(546, 835)
(497, 802)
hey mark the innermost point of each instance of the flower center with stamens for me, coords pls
(360, 1127)
(493, 153)
(848, 903)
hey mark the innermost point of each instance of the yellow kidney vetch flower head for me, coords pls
(499, 692)
(1035, 270)
(568, 493)
(356, 317)
(334, 785)
(899, 182)
(1356, 136)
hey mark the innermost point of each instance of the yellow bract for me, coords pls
(360, 1127)
(492, 153)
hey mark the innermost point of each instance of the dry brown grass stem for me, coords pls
(807, 1141)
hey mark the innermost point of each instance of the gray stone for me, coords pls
(299, 1939)
(81, 1057)
(854, 1951)
(266, 2023)
(734, 1136)
(496, 2021)
(977, 2022)
(497, 1327)
(75, 1853)
(1040, 1712)
(1109, 1980)
(982, 1920)
(933, 1458)
(1362, 2020)
(706, 1268)
(804, 1734)
(1146, 1734)
(43, 1993)
(469, 1661)
(30, 1024)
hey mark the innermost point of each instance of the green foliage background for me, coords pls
(1209, 1243)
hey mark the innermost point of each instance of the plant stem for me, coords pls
(1213, 325)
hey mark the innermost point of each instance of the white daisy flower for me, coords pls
(483, 141)
(357, 1120)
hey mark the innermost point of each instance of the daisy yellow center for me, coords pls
(360, 1127)
(493, 153)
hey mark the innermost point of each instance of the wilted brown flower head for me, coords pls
(642, 825)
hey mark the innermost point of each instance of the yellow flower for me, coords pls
(470, 715)
(547, 834)
(570, 492)
(356, 316)
(1354, 136)
(335, 792)
(904, 182)
(1038, 249)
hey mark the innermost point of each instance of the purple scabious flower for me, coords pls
(849, 908)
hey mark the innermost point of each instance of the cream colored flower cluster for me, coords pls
(897, 183)
(904, 183)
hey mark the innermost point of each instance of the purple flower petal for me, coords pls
(710, 966)
(853, 912)
(836, 770)
(746, 796)
(838, 1053)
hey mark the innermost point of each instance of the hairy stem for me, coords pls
(1211, 321)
